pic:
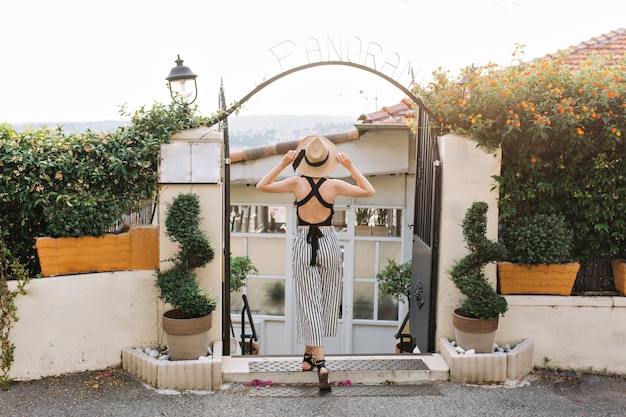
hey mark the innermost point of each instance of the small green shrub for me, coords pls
(178, 285)
(395, 280)
(538, 239)
(240, 267)
(481, 299)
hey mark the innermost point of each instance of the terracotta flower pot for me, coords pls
(619, 275)
(187, 339)
(553, 279)
(477, 334)
(246, 349)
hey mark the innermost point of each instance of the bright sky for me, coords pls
(76, 60)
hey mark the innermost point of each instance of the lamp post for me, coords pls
(183, 92)
(180, 83)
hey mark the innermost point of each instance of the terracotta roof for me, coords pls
(396, 114)
(612, 43)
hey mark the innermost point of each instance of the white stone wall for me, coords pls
(82, 322)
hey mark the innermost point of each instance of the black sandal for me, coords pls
(308, 358)
(323, 377)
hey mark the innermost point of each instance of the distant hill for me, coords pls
(244, 131)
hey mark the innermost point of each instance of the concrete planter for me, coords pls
(488, 367)
(176, 375)
(554, 279)
(137, 249)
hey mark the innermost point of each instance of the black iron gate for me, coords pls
(425, 233)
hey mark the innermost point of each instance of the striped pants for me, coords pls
(318, 288)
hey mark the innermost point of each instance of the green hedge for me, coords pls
(57, 184)
(561, 130)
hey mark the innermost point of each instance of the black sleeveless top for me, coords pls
(314, 231)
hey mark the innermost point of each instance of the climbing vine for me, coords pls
(10, 268)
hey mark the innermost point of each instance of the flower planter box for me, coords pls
(554, 279)
(488, 367)
(136, 249)
(619, 275)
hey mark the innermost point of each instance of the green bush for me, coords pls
(57, 184)
(240, 267)
(395, 280)
(538, 239)
(481, 300)
(178, 285)
(561, 130)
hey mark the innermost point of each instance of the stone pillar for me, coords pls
(193, 163)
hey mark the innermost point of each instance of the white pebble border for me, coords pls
(506, 348)
(163, 353)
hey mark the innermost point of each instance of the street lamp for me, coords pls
(179, 82)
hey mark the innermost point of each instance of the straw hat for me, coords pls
(317, 156)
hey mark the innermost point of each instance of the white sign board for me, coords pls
(191, 162)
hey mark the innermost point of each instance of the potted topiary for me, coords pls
(188, 323)
(539, 256)
(395, 281)
(476, 319)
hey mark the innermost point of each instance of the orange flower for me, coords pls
(533, 160)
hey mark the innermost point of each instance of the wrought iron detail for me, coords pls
(419, 295)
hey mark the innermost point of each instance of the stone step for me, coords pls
(212, 373)
(358, 369)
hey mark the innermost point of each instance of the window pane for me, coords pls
(363, 300)
(378, 222)
(340, 220)
(364, 259)
(257, 219)
(387, 308)
(266, 296)
(236, 302)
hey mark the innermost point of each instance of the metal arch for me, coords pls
(264, 84)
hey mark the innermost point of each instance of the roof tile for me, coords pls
(612, 43)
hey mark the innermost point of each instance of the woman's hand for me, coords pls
(289, 157)
(344, 160)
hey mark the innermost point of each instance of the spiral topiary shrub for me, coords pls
(178, 285)
(481, 299)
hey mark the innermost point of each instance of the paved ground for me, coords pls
(116, 393)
